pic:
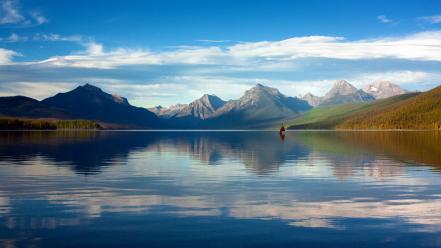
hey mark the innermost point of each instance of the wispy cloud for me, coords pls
(38, 17)
(14, 38)
(434, 19)
(11, 14)
(50, 37)
(38, 90)
(422, 46)
(384, 19)
(214, 41)
(58, 37)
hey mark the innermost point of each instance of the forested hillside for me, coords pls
(419, 112)
(329, 117)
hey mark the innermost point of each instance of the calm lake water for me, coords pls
(220, 189)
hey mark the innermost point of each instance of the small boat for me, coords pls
(282, 130)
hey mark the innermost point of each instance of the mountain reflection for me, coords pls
(260, 152)
(86, 152)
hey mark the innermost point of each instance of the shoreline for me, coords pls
(218, 130)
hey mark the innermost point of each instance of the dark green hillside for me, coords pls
(26, 107)
(419, 112)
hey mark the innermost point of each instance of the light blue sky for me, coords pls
(167, 52)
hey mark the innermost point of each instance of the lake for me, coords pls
(220, 189)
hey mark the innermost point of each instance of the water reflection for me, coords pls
(231, 188)
(86, 152)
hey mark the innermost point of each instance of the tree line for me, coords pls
(40, 124)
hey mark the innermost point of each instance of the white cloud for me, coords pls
(213, 41)
(95, 49)
(6, 56)
(384, 19)
(37, 90)
(38, 17)
(10, 13)
(398, 77)
(58, 37)
(434, 19)
(14, 38)
(424, 46)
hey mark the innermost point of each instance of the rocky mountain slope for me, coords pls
(311, 99)
(258, 106)
(384, 89)
(343, 92)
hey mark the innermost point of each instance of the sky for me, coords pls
(165, 52)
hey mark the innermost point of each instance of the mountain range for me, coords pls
(259, 107)
(406, 111)
(343, 93)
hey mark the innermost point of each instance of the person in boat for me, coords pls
(282, 130)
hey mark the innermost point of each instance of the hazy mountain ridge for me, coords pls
(201, 108)
(258, 105)
(343, 92)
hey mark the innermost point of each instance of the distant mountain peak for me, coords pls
(384, 89)
(210, 101)
(208, 97)
(259, 89)
(311, 99)
(201, 108)
(90, 102)
(343, 92)
(342, 82)
(91, 87)
(342, 88)
(94, 90)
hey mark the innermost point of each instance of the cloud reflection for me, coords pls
(311, 180)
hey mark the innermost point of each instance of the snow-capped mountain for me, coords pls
(384, 89)
(343, 92)
(201, 108)
(259, 104)
(311, 99)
